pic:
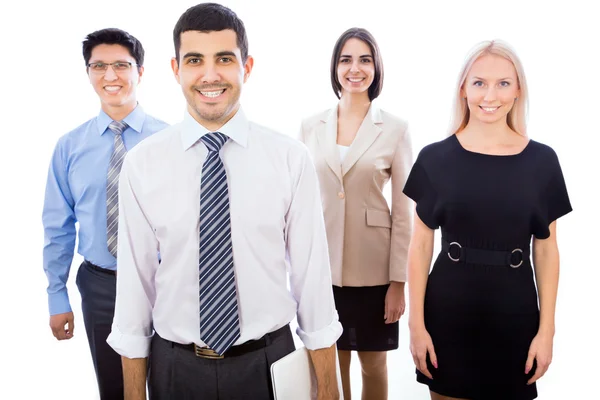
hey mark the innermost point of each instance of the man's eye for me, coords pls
(121, 66)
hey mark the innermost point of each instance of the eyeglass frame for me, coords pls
(112, 65)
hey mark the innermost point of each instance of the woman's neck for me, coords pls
(354, 105)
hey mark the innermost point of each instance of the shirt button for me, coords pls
(341, 195)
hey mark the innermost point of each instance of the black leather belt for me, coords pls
(469, 255)
(234, 351)
(99, 269)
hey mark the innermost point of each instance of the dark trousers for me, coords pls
(178, 374)
(98, 291)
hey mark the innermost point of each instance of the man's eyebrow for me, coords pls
(193, 54)
(225, 53)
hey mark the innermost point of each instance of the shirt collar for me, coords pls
(135, 120)
(237, 129)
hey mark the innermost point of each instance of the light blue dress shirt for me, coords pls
(76, 193)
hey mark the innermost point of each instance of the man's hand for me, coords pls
(62, 325)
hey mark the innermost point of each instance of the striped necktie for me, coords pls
(219, 320)
(112, 185)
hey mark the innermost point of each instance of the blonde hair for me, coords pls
(516, 117)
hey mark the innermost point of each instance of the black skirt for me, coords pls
(361, 311)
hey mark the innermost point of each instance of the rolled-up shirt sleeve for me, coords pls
(137, 263)
(310, 273)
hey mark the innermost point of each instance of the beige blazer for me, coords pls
(368, 243)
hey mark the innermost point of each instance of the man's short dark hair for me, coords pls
(211, 17)
(113, 36)
(365, 36)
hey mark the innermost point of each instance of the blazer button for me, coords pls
(341, 195)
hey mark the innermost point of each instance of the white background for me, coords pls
(45, 93)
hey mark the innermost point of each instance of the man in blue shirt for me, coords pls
(82, 188)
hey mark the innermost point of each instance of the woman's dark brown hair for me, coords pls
(365, 36)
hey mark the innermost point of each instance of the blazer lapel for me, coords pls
(328, 142)
(367, 133)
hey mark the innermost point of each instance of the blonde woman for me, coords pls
(476, 330)
(357, 148)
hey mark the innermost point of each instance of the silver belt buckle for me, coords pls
(450, 256)
(519, 264)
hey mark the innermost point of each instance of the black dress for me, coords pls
(481, 313)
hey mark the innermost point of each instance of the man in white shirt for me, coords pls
(232, 207)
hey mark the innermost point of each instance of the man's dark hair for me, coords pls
(210, 17)
(113, 36)
(365, 36)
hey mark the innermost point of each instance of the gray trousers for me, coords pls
(98, 291)
(178, 374)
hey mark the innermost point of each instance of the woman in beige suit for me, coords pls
(357, 148)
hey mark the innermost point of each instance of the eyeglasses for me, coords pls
(118, 66)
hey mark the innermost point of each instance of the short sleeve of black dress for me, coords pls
(420, 188)
(554, 198)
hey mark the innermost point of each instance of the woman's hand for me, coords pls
(420, 345)
(394, 302)
(540, 350)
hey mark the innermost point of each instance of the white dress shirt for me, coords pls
(343, 150)
(277, 229)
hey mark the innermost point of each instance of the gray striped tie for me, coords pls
(219, 320)
(112, 185)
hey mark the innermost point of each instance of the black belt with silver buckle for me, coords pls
(469, 255)
(234, 351)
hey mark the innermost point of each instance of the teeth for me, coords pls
(355, 79)
(112, 88)
(212, 94)
(490, 109)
